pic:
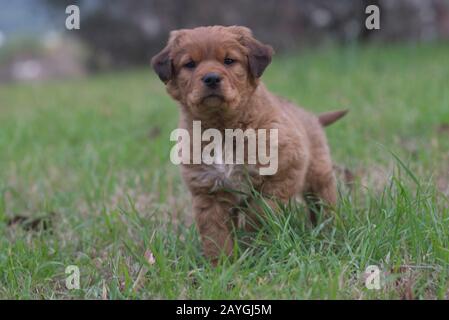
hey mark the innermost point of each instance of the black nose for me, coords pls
(211, 79)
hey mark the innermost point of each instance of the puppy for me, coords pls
(214, 74)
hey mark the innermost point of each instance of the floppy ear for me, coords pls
(259, 54)
(259, 57)
(162, 64)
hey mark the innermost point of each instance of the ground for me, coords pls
(85, 180)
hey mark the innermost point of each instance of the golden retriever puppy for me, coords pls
(214, 75)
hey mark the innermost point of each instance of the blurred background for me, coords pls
(117, 34)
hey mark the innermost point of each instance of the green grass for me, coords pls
(91, 156)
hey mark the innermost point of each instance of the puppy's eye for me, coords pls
(190, 65)
(229, 61)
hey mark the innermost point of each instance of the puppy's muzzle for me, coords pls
(211, 80)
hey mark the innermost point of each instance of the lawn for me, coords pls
(86, 180)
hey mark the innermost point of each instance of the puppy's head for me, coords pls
(212, 68)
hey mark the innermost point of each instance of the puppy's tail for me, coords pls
(327, 118)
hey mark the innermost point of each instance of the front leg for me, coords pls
(275, 191)
(254, 212)
(214, 221)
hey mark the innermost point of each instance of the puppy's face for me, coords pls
(212, 68)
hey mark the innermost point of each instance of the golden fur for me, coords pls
(243, 102)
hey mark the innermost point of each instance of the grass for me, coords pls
(86, 176)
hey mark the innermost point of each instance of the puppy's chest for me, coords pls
(227, 176)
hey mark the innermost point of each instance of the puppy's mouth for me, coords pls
(213, 100)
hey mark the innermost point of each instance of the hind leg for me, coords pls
(322, 188)
(325, 189)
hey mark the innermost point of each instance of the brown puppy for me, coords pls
(213, 72)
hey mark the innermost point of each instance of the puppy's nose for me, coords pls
(211, 79)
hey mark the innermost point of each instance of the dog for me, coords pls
(214, 74)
